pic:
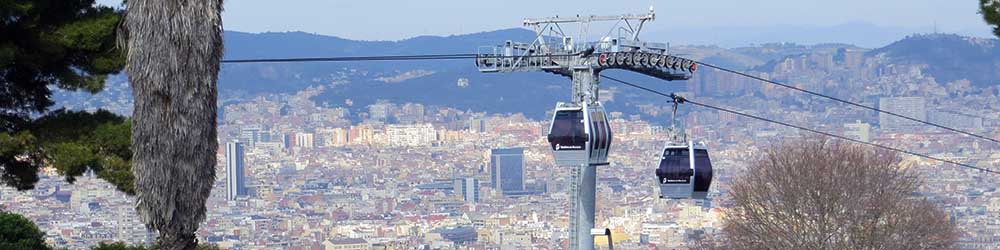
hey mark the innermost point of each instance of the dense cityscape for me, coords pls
(296, 175)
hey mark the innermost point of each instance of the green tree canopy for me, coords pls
(70, 45)
(116, 246)
(991, 13)
(19, 233)
(71, 142)
(67, 43)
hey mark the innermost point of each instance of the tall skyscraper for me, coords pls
(235, 181)
(507, 169)
(906, 106)
(468, 189)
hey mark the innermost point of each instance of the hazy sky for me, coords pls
(398, 19)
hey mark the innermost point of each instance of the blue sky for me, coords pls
(398, 19)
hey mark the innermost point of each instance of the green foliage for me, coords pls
(71, 159)
(67, 43)
(19, 233)
(72, 45)
(72, 142)
(20, 160)
(116, 246)
(117, 171)
(991, 13)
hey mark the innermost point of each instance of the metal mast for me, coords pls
(554, 51)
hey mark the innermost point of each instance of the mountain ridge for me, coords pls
(948, 57)
(436, 83)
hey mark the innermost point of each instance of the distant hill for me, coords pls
(732, 36)
(427, 82)
(948, 57)
(283, 77)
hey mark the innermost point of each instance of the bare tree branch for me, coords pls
(823, 194)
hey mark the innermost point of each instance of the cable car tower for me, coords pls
(580, 136)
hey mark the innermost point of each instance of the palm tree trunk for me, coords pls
(173, 52)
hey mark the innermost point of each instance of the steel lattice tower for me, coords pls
(554, 51)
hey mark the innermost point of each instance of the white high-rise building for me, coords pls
(304, 140)
(906, 106)
(235, 179)
(858, 131)
(415, 135)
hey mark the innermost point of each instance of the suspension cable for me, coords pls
(356, 58)
(846, 101)
(679, 99)
(473, 56)
(675, 98)
(389, 58)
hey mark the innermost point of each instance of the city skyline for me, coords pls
(243, 118)
(451, 152)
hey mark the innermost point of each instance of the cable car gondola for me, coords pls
(580, 134)
(683, 174)
(685, 169)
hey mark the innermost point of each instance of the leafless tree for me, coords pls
(173, 53)
(824, 194)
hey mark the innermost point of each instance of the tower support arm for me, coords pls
(592, 18)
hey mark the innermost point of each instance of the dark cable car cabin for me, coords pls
(579, 135)
(683, 175)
